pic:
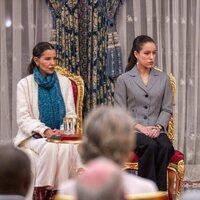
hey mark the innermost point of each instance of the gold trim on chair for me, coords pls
(170, 130)
(80, 88)
(147, 196)
(130, 165)
(171, 121)
(179, 169)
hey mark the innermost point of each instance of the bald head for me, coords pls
(101, 180)
(14, 171)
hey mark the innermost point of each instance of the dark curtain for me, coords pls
(85, 36)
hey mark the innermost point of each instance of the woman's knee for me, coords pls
(167, 147)
(152, 146)
(68, 150)
(50, 148)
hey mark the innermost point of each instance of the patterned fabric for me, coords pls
(113, 51)
(65, 33)
(81, 37)
(50, 101)
(114, 64)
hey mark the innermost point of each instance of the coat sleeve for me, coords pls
(166, 109)
(120, 93)
(25, 120)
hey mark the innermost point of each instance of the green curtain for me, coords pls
(80, 33)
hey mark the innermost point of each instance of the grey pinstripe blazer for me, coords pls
(149, 105)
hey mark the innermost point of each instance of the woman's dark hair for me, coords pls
(37, 52)
(138, 43)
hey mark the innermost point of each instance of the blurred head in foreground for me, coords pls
(15, 171)
(108, 132)
(101, 180)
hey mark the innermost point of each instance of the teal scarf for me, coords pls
(50, 100)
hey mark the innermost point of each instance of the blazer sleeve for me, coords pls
(25, 120)
(120, 93)
(166, 109)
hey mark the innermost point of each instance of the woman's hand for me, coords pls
(155, 132)
(143, 129)
(48, 133)
(151, 131)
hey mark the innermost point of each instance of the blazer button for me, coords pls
(146, 95)
(145, 106)
(145, 117)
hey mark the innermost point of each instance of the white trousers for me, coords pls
(55, 163)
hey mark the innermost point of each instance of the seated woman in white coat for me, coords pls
(44, 98)
(109, 132)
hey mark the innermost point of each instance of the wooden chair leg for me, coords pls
(179, 182)
(171, 180)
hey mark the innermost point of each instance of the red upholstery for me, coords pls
(134, 157)
(175, 172)
(75, 91)
(178, 156)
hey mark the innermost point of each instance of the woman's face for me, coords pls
(147, 55)
(46, 62)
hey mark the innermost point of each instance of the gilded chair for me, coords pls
(148, 196)
(78, 91)
(176, 168)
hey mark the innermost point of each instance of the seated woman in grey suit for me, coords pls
(146, 93)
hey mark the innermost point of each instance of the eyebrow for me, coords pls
(147, 51)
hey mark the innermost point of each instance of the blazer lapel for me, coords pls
(137, 78)
(152, 79)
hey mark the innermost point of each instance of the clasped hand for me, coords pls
(52, 132)
(151, 131)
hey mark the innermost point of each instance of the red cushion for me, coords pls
(174, 159)
(75, 91)
(177, 157)
(134, 157)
